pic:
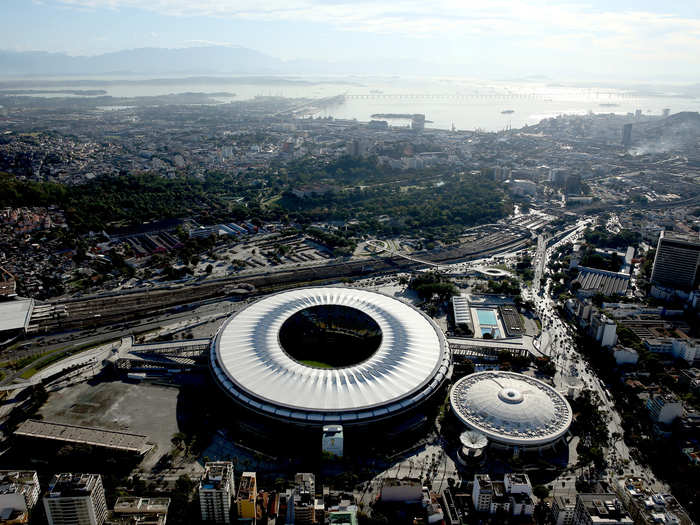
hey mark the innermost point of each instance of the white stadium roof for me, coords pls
(510, 408)
(411, 362)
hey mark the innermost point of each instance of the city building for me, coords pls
(304, 498)
(216, 491)
(676, 262)
(133, 510)
(75, 499)
(603, 330)
(342, 517)
(332, 441)
(664, 407)
(19, 492)
(8, 284)
(647, 507)
(482, 493)
(563, 507)
(600, 509)
(627, 136)
(512, 410)
(418, 122)
(246, 496)
(401, 490)
(410, 363)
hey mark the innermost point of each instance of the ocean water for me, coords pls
(466, 104)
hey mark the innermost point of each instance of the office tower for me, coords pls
(75, 499)
(676, 262)
(627, 136)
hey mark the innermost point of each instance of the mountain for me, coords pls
(149, 60)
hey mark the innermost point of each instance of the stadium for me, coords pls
(511, 410)
(323, 356)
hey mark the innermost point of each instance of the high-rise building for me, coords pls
(676, 262)
(246, 496)
(482, 493)
(19, 492)
(75, 499)
(216, 490)
(627, 136)
(418, 122)
(664, 407)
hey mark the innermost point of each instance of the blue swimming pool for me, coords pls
(487, 317)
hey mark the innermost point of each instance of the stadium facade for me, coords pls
(327, 378)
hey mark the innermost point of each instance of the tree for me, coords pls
(209, 269)
(178, 439)
(541, 491)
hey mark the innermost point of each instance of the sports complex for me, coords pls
(326, 355)
(512, 410)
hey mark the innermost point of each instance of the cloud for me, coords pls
(576, 27)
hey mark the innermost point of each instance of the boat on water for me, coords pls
(507, 111)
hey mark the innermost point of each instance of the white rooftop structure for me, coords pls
(473, 440)
(511, 409)
(14, 315)
(410, 364)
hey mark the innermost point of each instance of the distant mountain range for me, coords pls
(190, 60)
(209, 60)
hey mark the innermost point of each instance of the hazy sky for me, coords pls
(632, 39)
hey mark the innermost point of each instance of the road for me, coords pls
(557, 343)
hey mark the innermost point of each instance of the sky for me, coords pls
(627, 39)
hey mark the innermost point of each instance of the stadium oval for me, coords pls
(410, 362)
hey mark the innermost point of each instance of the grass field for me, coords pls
(316, 364)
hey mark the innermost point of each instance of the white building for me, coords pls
(216, 490)
(333, 440)
(604, 330)
(19, 492)
(625, 356)
(599, 509)
(402, 490)
(686, 349)
(563, 507)
(482, 493)
(75, 499)
(664, 408)
(517, 483)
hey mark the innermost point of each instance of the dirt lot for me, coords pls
(141, 408)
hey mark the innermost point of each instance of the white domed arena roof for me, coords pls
(249, 362)
(511, 408)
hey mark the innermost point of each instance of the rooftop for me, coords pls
(511, 408)
(98, 437)
(71, 485)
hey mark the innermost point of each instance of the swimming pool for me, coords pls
(487, 317)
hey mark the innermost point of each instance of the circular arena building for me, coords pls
(320, 356)
(511, 410)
